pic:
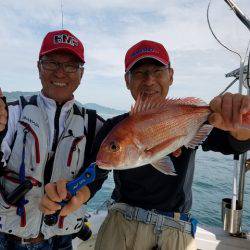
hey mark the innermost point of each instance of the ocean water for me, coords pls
(212, 182)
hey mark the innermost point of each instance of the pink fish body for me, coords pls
(154, 129)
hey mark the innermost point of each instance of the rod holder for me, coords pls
(231, 219)
(247, 165)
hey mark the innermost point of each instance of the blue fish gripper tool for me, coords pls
(72, 187)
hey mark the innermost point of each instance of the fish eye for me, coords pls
(114, 146)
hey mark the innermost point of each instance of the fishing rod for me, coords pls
(62, 13)
(232, 208)
(243, 18)
(233, 211)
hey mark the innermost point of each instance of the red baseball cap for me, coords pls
(146, 49)
(62, 40)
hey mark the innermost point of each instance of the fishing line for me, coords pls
(248, 70)
(226, 47)
(62, 12)
(216, 38)
(247, 51)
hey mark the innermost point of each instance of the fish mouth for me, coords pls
(103, 165)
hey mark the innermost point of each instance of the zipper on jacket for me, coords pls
(37, 146)
(56, 127)
(50, 160)
(73, 148)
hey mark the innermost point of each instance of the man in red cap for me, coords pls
(48, 141)
(151, 210)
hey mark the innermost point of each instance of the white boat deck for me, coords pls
(208, 238)
(216, 238)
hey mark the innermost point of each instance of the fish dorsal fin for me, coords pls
(187, 101)
(142, 106)
(165, 166)
(201, 136)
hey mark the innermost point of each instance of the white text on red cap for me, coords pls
(64, 38)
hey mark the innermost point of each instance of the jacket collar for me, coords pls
(51, 104)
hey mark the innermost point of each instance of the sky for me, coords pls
(108, 28)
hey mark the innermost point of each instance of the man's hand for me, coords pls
(57, 192)
(3, 113)
(227, 114)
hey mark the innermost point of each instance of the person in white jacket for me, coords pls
(45, 143)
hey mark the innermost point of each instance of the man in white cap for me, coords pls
(151, 210)
(47, 142)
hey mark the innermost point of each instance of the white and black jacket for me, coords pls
(45, 142)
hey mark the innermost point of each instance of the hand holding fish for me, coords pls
(3, 113)
(230, 113)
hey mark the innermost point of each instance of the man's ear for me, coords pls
(39, 69)
(82, 72)
(127, 79)
(171, 76)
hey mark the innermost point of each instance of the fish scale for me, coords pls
(162, 127)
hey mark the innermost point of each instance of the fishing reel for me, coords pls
(85, 232)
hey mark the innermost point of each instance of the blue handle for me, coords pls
(72, 187)
(85, 178)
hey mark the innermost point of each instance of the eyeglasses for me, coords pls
(142, 74)
(68, 67)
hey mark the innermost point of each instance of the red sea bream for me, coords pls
(154, 129)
